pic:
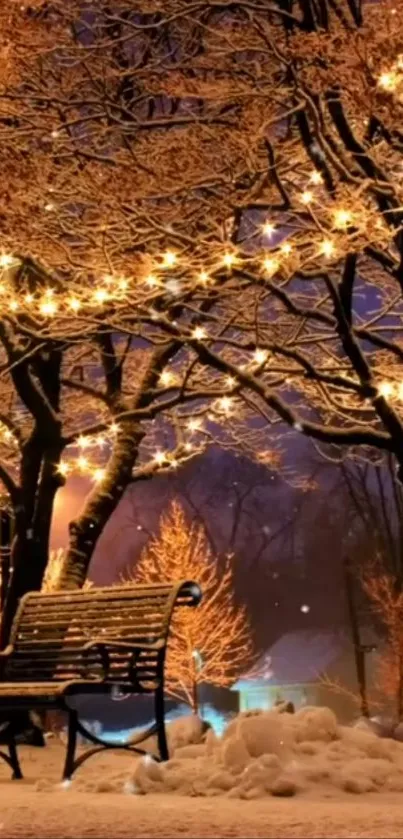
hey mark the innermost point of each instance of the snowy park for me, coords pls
(201, 418)
(268, 775)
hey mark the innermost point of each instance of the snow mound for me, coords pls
(272, 754)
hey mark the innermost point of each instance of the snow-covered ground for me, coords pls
(271, 775)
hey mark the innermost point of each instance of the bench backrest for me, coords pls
(50, 630)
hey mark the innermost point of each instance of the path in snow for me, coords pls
(27, 812)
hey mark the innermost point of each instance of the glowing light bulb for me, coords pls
(204, 277)
(286, 249)
(14, 305)
(101, 295)
(199, 333)
(260, 356)
(229, 259)
(268, 229)
(230, 381)
(342, 218)
(327, 248)
(98, 475)
(114, 427)
(385, 389)
(167, 378)
(270, 265)
(74, 304)
(48, 307)
(29, 298)
(49, 207)
(194, 424)
(160, 457)
(63, 468)
(123, 284)
(83, 442)
(225, 403)
(82, 462)
(307, 196)
(169, 259)
(151, 281)
(388, 81)
(316, 178)
(101, 442)
(6, 260)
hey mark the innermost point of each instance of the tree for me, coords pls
(136, 237)
(209, 644)
(92, 292)
(385, 595)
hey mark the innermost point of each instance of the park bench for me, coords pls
(89, 641)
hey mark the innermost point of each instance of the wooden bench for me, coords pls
(91, 641)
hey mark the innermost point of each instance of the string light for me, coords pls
(98, 474)
(230, 381)
(204, 277)
(6, 260)
(268, 229)
(342, 218)
(151, 281)
(388, 81)
(260, 356)
(101, 295)
(160, 457)
(83, 442)
(169, 259)
(307, 196)
(199, 333)
(74, 304)
(327, 248)
(63, 468)
(229, 259)
(225, 404)
(385, 389)
(48, 307)
(286, 249)
(167, 378)
(316, 178)
(270, 265)
(194, 424)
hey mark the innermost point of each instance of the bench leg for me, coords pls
(15, 764)
(160, 720)
(71, 746)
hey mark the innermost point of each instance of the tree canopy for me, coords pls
(200, 221)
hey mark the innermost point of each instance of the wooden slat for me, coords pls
(50, 631)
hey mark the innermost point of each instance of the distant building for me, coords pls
(299, 667)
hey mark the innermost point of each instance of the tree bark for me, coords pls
(355, 633)
(86, 530)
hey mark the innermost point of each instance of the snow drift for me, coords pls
(270, 753)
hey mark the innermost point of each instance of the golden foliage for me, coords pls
(210, 643)
(386, 597)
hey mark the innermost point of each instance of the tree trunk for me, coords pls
(195, 698)
(86, 530)
(355, 633)
(400, 691)
(28, 563)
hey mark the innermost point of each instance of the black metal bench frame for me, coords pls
(185, 593)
